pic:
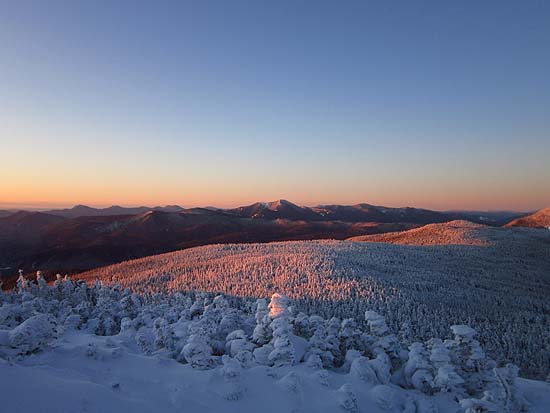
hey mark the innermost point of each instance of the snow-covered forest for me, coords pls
(501, 289)
(100, 348)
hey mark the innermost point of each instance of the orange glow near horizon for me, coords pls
(47, 168)
(94, 176)
(43, 197)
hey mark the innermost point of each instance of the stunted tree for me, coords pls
(417, 370)
(470, 360)
(198, 353)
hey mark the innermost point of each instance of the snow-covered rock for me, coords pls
(32, 334)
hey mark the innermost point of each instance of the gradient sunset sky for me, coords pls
(443, 105)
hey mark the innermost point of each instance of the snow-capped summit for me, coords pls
(279, 209)
(279, 204)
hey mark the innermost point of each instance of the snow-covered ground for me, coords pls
(501, 288)
(121, 379)
(74, 348)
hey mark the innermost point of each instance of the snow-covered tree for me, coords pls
(470, 360)
(446, 378)
(417, 369)
(33, 333)
(239, 347)
(384, 340)
(283, 350)
(319, 346)
(362, 369)
(278, 306)
(198, 353)
(40, 280)
(21, 283)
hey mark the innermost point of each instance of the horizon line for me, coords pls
(48, 206)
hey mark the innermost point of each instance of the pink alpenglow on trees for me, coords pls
(278, 307)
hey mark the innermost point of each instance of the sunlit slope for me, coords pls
(540, 219)
(449, 233)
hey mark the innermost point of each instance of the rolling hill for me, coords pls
(540, 219)
(501, 286)
(448, 233)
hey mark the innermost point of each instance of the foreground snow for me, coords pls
(120, 379)
(65, 379)
(74, 348)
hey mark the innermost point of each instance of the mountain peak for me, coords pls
(81, 206)
(275, 205)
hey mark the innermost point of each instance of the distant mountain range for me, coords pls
(283, 209)
(86, 211)
(353, 213)
(83, 237)
(5, 213)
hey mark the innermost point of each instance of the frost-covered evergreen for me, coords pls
(32, 334)
(262, 333)
(417, 370)
(208, 332)
(420, 291)
(319, 345)
(470, 360)
(446, 378)
(283, 353)
(363, 369)
(198, 353)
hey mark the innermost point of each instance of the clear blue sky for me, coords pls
(434, 104)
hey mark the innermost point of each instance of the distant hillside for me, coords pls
(5, 213)
(493, 218)
(361, 212)
(448, 233)
(26, 226)
(86, 211)
(540, 219)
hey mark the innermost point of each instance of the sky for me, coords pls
(442, 105)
